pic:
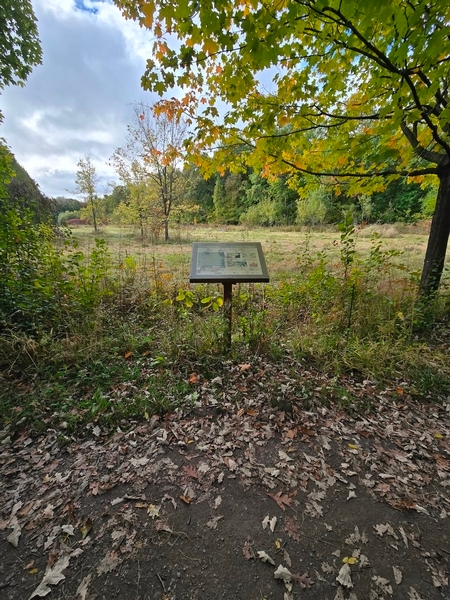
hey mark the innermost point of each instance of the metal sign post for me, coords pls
(228, 263)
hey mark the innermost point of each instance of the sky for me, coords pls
(80, 100)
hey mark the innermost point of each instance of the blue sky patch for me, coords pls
(81, 6)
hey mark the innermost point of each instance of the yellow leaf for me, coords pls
(33, 571)
(353, 446)
(350, 560)
(277, 544)
(438, 436)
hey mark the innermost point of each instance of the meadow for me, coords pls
(283, 247)
(120, 333)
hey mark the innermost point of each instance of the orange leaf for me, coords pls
(193, 378)
(185, 499)
(127, 354)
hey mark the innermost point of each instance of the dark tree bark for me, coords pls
(438, 239)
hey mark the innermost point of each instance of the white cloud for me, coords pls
(78, 101)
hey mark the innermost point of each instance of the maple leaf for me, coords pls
(281, 499)
(190, 471)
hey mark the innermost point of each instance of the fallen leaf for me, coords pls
(139, 462)
(247, 550)
(162, 526)
(283, 456)
(53, 575)
(86, 527)
(413, 595)
(287, 558)
(185, 499)
(13, 537)
(281, 499)
(398, 575)
(383, 584)
(304, 581)
(190, 471)
(291, 528)
(212, 524)
(82, 589)
(283, 574)
(344, 576)
(265, 557)
(350, 560)
(108, 563)
(153, 511)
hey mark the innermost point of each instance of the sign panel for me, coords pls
(218, 262)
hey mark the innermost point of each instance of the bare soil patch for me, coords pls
(198, 504)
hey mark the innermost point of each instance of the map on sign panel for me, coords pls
(228, 261)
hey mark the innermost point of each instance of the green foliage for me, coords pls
(228, 198)
(86, 184)
(20, 48)
(314, 208)
(63, 217)
(40, 286)
(61, 204)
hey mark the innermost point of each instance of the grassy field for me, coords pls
(284, 248)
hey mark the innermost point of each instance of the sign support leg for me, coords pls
(227, 305)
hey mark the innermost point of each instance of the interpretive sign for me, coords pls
(228, 262)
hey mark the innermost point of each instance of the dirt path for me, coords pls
(252, 492)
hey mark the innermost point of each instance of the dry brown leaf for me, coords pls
(190, 471)
(291, 528)
(304, 581)
(53, 575)
(247, 550)
(344, 576)
(281, 499)
(265, 557)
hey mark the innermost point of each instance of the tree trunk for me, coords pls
(166, 229)
(439, 233)
(94, 216)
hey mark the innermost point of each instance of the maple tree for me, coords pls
(20, 48)
(152, 160)
(357, 92)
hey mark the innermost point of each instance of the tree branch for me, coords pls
(434, 157)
